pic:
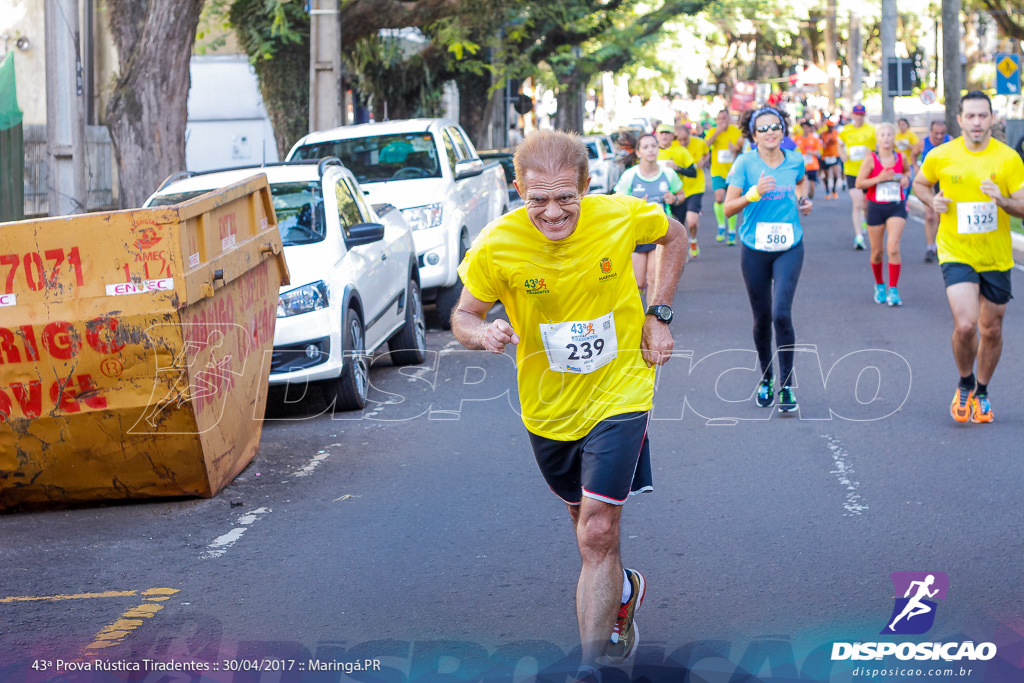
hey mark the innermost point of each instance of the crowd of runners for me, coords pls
(588, 341)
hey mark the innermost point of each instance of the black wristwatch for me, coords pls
(662, 312)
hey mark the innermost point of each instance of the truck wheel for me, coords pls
(408, 346)
(350, 389)
(448, 297)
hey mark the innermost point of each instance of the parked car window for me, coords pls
(300, 212)
(460, 143)
(592, 150)
(449, 148)
(299, 208)
(360, 199)
(348, 208)
(380, 157)
(606, 145)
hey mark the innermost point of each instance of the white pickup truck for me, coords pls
(430, 170)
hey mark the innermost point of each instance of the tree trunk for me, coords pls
(951, 69)
(476, 108)
(830, 52)
(147, 111)
(570, 106)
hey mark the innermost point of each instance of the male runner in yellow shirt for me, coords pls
(725, 143)
(981, 184)
(675, 157)
(562, 267)
(693, 188)
(856, 141)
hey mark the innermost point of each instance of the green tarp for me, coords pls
(12, 146)
(10, 115)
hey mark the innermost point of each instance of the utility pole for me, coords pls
(830, 53)
(888, 36)
(951, 69)
(65, 110)
(326, 91)
(855, 52)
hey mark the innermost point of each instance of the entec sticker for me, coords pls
(8, 300)
(123, 288)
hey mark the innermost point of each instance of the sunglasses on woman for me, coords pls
(769, 127)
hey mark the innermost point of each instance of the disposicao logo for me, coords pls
(913, 613)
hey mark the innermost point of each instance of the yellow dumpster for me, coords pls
(135, 347)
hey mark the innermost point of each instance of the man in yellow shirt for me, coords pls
(907, 141)
(675, 157)
(981, 184)
(693, 188)
(725, 142)
(562, 267)
(856, 141)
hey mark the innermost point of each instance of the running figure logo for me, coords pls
(914, 613)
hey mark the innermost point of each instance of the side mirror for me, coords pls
(363, 233)
(468, 168)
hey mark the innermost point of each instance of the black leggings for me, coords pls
(760, 269)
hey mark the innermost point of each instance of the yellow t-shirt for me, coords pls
(721, 156)
(905, 142)
(859, 143)
(697, 149)
(680, 155)
(586, 278)
(967, 233)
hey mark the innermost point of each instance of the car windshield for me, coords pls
(382, 157)
(299, 208)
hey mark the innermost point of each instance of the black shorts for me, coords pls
(693, 203)
(878, 213)
(851, 182)
(812, 175)
(608, 464)
(678, 211)
(644, 248)
(994, 285)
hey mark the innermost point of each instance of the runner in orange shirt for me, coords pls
(811, 147)
(830, 166)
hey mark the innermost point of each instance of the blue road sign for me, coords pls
(1007, 73)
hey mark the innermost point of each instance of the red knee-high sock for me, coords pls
(894, 274)
(876, 268)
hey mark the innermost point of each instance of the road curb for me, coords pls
(914, 204)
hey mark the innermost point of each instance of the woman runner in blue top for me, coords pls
(768, 185)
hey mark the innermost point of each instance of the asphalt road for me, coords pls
(417, 541)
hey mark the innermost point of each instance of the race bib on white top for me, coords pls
(858, 152)
(580, 347)
(773, 236)
(725, 156)
(831, 160)
(888, 191)
(903, 144)
(976, 217)
(809, 158)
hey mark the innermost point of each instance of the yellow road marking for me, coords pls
(130, 620)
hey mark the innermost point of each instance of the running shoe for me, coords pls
(732, 238)
(721, 234)
(765, 393)
(835, 195)
(960, 408)
(879, 294)
(894, 298)
(930, 255)
(858, 243)
(588, 674)
(981, 409)
(694, 250)
(625, 636)
(787, 400)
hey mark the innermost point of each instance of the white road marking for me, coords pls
(315, 462)
(222, 543)
(853, 504)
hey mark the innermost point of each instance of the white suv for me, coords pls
(355, 281)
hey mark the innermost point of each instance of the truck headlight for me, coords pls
(423, 217)
(312, 297)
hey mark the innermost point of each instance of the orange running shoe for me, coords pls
(981, 409)
(960, 408)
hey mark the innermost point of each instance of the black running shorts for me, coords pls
(851, 182)
(878, 213)
(608, 464)
(693, 202)
(994, 285)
